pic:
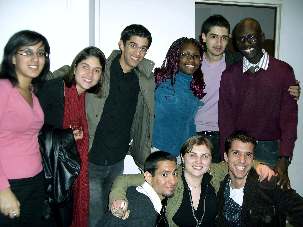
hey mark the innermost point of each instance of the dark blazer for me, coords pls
(51, 97)
(264, 204)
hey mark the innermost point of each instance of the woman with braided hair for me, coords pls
(179, 88)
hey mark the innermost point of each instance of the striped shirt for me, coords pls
(263, 63)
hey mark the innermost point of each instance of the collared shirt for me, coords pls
(148, 190)
(263, 63)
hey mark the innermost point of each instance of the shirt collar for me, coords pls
(263, 63)
(148, 190)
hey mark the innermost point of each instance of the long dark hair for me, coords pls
(87, 52)
(18, 40)
(170, 67)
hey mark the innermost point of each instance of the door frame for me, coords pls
(266, 3)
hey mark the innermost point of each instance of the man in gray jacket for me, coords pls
(120, 117)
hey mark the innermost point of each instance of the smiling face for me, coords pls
(216, 41)
(29, 61)
(240, 159)
(133, 52)
(190, 58)
(197, 161)
(249, 38)
(87, 73)
(165, 178)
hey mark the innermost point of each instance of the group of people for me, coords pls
(201, 193)
(118, 105)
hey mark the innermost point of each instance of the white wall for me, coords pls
(166, 20)
(291, 51)
(66, 25)
(234, 14)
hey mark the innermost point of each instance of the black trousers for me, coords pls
(32, 197)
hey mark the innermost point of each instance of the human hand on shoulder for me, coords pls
(265, 172)
(295, 90)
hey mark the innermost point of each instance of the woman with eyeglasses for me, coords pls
(22, 193)
(63, 102)
(178, 92)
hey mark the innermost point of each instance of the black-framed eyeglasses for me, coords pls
(250, 38)
(190, 56)
(30, 53)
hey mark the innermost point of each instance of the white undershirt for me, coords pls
(236, 194)
(148, 190)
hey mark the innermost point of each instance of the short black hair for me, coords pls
(18, 40)
(240, 136)
(135, 30)
(214, 20)
(151, 162)
(195, 140)
(245, 21)
(87, 52)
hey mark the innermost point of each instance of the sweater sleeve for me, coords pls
(5, 88)
(288, 115)
(225, 118)
(121, 184)
(3, 180)
(218, 172)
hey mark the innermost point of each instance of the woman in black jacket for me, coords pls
(63, 103)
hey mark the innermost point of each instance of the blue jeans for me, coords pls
(100, 183)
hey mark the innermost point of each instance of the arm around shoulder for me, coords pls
(120, 185)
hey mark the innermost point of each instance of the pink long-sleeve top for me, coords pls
(19, 127)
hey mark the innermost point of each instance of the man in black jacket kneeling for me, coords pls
(243, 200)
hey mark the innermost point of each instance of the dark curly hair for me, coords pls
(170, 67)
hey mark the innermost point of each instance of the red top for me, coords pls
(75, 116)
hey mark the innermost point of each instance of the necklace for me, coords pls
(193, 210)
